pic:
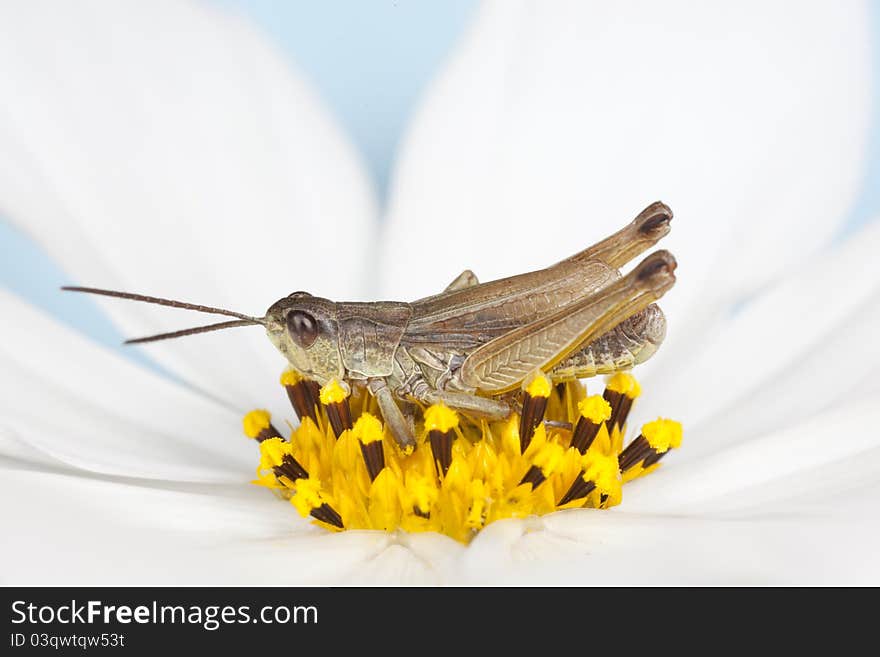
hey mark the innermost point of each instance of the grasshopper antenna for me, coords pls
(191, 331)
(242, 320)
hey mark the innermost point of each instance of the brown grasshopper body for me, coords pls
(474, 342)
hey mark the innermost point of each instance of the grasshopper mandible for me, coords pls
(473, 343)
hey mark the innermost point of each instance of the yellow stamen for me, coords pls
(273, 451)
(368, 429)
(422, 492)
(310, 500)
(538, 385)
(595, 409)
(604, 471)
(549, 458)
(334, 392)
(256, 422)
(384, 496)
(625, 384)
(440, 417)
(308, 496)
(479, 498)
(465, 472)
(290, 378)
(663, 434)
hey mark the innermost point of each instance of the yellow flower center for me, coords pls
(564, 449)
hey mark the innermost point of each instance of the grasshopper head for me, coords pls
(304, 329)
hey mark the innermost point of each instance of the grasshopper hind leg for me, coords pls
(401, 426)
(643, 232)
(489, 408)
(630, 343)
(501, 364)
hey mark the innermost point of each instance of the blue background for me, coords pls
(370, 61)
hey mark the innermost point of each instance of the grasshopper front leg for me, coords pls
(401, 429)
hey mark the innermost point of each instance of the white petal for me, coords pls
(837, 368)
(165, 148)
(129, 533)
(117, 532)
(798, 347)
(396, 565)
(556, 123)
(415, 560)
(815, 459)
(87, 407)
(779, 509)
(590, 547)
(14, 451)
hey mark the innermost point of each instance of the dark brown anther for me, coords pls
(257, 425)
(533, 413)
(303, 397)
(623, 410)
(614, 399)
(441, 448)
(268, 432)
(653, 458)
(339, 414)
(534, 476)
(636, 452)
(584, 434)
(290, 468)
(326, 513)
(621, 404)
(579, 489)
(335, 398)
(374, 458)
(536, 391)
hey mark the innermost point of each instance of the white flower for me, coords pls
(165, 148)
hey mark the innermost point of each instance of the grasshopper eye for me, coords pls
(302, 328)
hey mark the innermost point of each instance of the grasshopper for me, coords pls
(471, 345)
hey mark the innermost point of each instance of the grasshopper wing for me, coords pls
(502, 363)
(472, 316)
